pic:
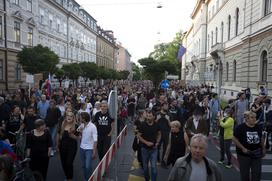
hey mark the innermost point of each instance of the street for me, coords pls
(128, 168)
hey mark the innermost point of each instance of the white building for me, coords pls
(236, 45)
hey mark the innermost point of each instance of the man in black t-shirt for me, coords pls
(150, 136)
(104, 124)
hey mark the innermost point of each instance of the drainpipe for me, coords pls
(6, 46)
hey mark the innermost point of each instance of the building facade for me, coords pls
(62, 25)
(123, 59)
(236, 46)
(105, 55)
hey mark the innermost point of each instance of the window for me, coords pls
(208, 43)
(237, 22)
(50, 21)
(2, 4)
(42, 16)
(234, 71)
(227, 71)
(264, 66)
(29, 5)
(1, 70)
(229, 24)
(212, 38)
(1, 28)
(217, 5)
(267, 7)
(16, 2)
(213, 11)
(17, 35)
(216, 34)
(222, 32)
(58, 25)
(30, 37)
(18, 72)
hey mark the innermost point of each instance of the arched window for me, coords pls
(227, 71)
(264, 66)
(234, 71)
(18, 72)
(216, 35)
(222, 32)
(229, 24)
(237, 22)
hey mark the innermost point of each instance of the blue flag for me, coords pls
(181, 52)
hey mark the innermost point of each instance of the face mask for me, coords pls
(225, 114)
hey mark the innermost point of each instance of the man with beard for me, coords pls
(150, 136)
(104, 124)
(29, 121)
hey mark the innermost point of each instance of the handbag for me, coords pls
(135, 144)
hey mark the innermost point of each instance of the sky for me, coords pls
(138, 24)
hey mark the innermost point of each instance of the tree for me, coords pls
(60, 75)
(123, 74)
(38, 59)
(137, 75)
(155, 70)
(72, 71)
(88, 71)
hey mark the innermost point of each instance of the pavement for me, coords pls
(124, 166)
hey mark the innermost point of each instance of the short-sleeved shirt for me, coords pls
(249, 137)
(103, 123)
(149, 133)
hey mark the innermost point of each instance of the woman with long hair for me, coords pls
(67, 144)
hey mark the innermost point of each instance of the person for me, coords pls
(195, 165)
(176, 145)
(4, 111)
(214, 105)
(263, 91)
(195, 124)
(88, 144)
(96, 109)
(268, 119)
(241, 106)
(137, 124)
(104, 124)
(53, 117)
(131, 108)
(42, 107)
(149, 136)
(29, 121)
(39, 145)
(163, 120)
(67, 144)
(225, 136)
(6, 168)
(250, 147)
(257, 108)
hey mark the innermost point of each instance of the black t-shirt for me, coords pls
(149, 133)
(29, 122)
(163, 123)
(250, 138)
(103, 123)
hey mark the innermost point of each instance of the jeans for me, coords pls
(150, 155)
(53, 132)
(250, 167)
(86, 160)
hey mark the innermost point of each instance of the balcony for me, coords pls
(217, 50)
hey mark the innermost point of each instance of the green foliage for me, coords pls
(123, 74)
(88, 70)
(137, 75)
(72, 71)
(38, 59)
(155, 70)
(60, 75)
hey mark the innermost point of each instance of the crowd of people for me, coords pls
(171, 127)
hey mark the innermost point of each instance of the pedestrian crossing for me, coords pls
(266, 162)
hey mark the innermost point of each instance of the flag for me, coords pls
(181, 52)
(48, 86)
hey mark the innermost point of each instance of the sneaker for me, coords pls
(228, 165)
(52, 153)
(221, 162)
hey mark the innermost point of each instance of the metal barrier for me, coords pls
(106, 160)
